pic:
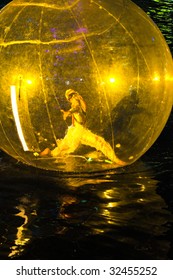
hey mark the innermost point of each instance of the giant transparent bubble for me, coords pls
(84, 85)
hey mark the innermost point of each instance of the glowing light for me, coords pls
(118, 145)
(131, 157)
(156, 78)
(29, 82)
(108, 193)
(16, 118)
(112, 204)
(143, 188)
(21, 238)
(169, 78)
(103, 56)
(112, 80)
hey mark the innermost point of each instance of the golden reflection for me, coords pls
(142, 188)
(27, 212)
(140, 200)
(108, 193)
(90, 205)
(73, 183)
(114, 199)
(66, 200)
(21, 239)
(112, 204)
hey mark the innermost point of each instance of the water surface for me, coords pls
(112, 215)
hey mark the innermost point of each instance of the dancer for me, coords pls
(78, 134)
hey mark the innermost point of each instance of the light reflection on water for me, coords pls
(106, 216)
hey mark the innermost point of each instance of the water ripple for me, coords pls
(108, 215)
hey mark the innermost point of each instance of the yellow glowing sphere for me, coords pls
(84, 85)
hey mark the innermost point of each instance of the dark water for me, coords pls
(113, 215)
(101, 216)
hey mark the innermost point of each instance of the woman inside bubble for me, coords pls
(78, 134)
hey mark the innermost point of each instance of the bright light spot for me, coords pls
(140, 200)
(29, 82)
(118, 145)
(112, 204)
(112, 80)
(131, 157)
(142, 188)
(67, 82)
(108, 194)
(169, 78)
(16, 118)
(156, 78)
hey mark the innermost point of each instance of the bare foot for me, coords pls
(46, 152)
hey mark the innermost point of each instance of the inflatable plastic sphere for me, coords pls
(84, 85)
